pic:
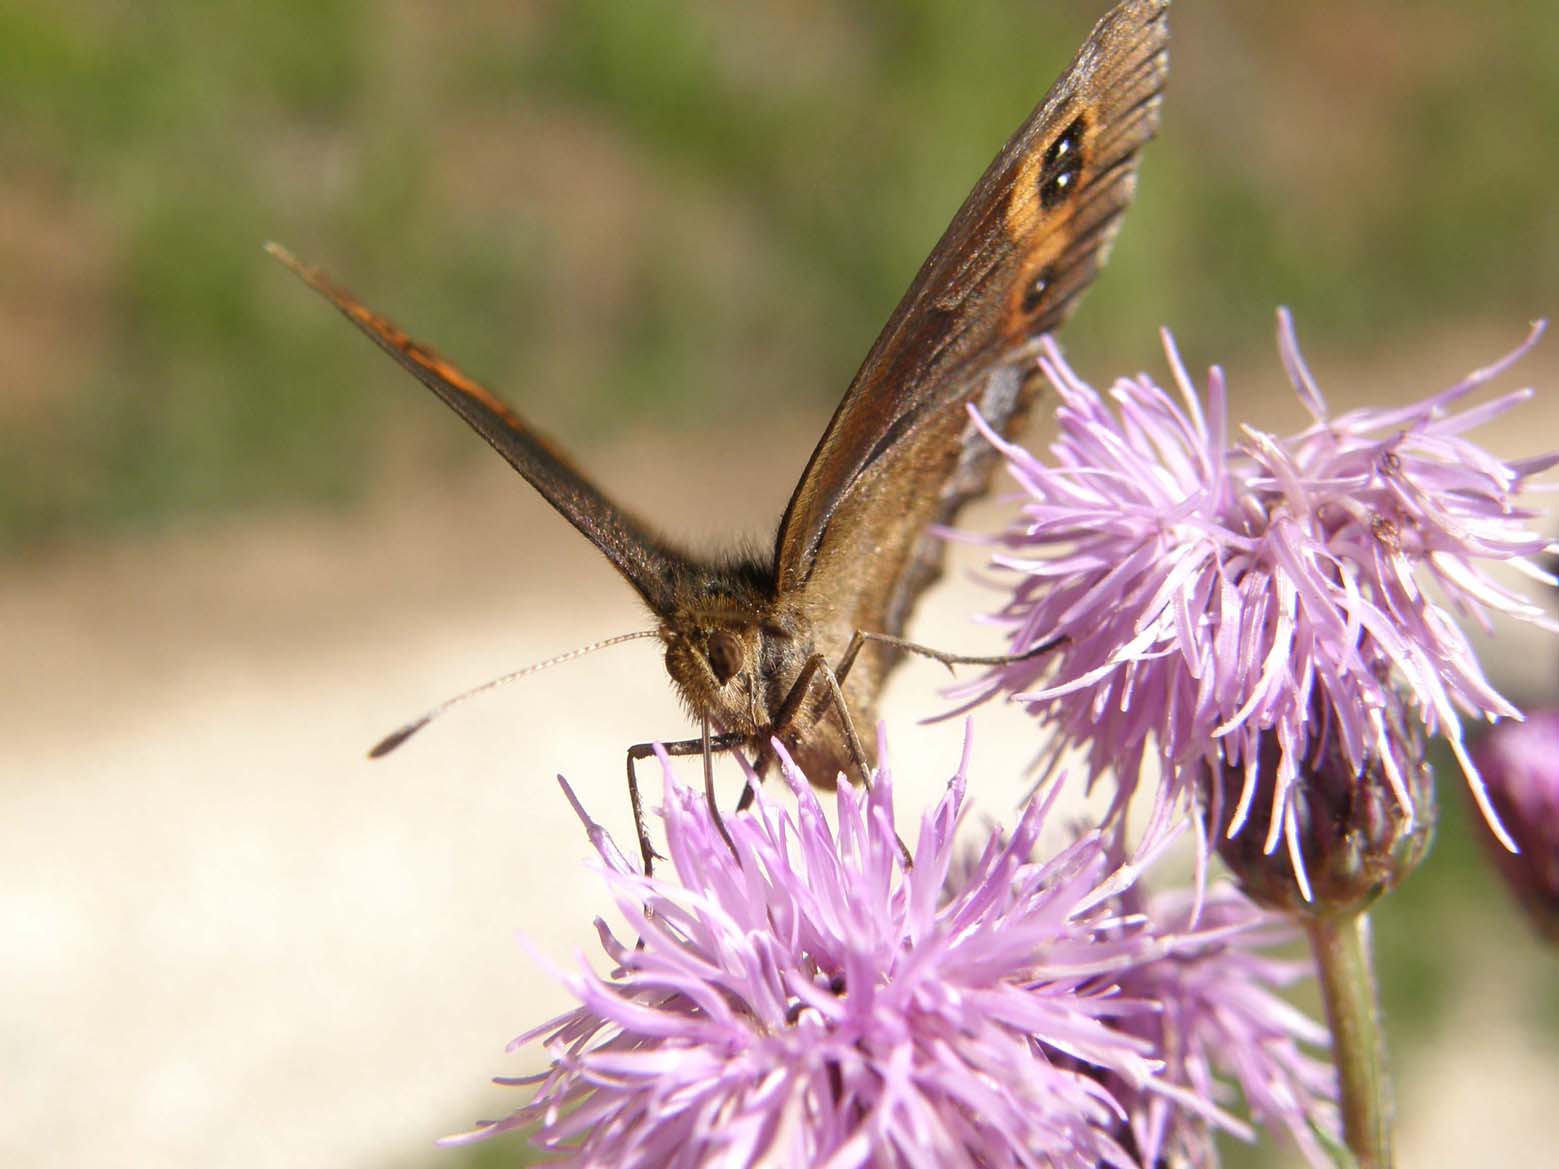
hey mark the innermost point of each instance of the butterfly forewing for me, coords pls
(650, 565)
(1029, 238)
(900, 454)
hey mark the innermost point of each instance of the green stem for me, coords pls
(1341, 946)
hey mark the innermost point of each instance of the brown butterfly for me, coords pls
(796, 644)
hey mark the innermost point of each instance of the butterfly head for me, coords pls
(719, 633)
(714, 662)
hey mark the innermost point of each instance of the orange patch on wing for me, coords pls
(394, 336)
(1023, 207)
(451, 376)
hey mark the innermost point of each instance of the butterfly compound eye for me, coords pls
(725, 656)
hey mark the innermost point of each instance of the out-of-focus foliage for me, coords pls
(689, 212)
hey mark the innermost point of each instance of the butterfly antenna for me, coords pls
(396, 737)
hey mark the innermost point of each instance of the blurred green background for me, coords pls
(631, 216)
(655, 213)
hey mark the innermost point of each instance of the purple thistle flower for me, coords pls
(1520, 763)
(810, 999)
(1219, 1024)
(1213, 593)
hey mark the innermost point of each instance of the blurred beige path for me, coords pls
(227, 939)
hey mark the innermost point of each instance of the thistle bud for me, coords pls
(1345, 835)
(1520, 766)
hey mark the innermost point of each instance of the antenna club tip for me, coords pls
(395, 738)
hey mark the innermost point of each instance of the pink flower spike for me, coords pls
(1209, 598)
(809, 999)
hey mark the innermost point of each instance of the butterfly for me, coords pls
(795, 643)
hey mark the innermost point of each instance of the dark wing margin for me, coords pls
(648, 565)
(1020, 251)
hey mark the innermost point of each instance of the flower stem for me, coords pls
(1341, 946)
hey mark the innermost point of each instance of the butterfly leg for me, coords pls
(705, 745)
(760, 768)
(834, 676)
(862, 636)
(817, 667)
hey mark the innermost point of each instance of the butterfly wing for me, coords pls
(651, 566)
(899, 453)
